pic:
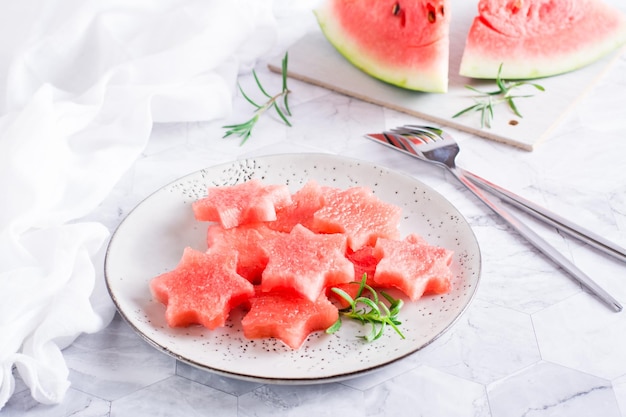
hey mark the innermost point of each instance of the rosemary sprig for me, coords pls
(244, 130)
(369, 310)
(486, 101)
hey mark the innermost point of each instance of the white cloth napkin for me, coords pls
(81, 84)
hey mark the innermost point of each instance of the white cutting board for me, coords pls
(314, 60)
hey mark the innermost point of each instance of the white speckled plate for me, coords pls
(151, 239)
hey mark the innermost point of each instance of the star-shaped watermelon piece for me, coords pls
(360, 215)
(304, 203)
(413, 266)
(247, 202)
(306, 262)
(202, 289)
(287, 316)
(249, 240)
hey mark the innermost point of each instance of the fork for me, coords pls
(433, 145)
(421, 135)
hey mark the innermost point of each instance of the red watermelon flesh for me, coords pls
(413, 266)
(287, 316)
(249, 241)
(364, 263)
(360, 215)
(539, 38)
(247, 202)
(202, 289)
(306, 262)
(402, 43)
(304, 202)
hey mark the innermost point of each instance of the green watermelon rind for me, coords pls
(434, 81)
(525, 59)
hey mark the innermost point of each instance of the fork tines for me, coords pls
(424, 133)
(410, 138)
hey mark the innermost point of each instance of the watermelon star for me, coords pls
(305, 202)
(247, 202)
(413, 266)
(359, 214)
(306, 262)
(249, 241)
(202, 289)
(287, 316)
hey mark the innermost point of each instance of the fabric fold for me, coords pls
(82, 90)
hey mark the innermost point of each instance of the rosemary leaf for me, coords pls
(280, 113)
(335, 327)
(499, 82)
(244, 130)
(284, 74)
(512, 106)
(470, 108)
(369, 310)
(487, 100)
(258, 83)
(248, 99)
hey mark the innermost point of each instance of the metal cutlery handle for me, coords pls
(553, 219)
(539, 242)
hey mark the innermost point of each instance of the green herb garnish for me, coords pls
(244, 130)
(486, 101)
(369, 310)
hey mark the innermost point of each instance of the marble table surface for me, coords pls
(532, 342)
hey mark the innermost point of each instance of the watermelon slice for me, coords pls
(247, 202)
(202, 289)
(360, 215)
(306, 262)
(402, 43)
(539, 38)
(413, 266)
(287, 316)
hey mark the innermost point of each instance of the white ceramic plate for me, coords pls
(151, 239)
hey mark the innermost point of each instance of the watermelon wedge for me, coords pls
(402, 43)
(539, 38)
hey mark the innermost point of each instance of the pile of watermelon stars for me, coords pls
(277, 254)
